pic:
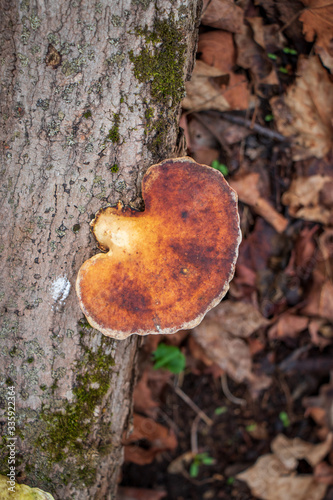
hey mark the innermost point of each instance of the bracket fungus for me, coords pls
(167, 266)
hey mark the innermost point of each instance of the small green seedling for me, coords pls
(251, 427)
(272, 56)
(169, 357)
(283, 416)
(220, 410)
(292, 52)
(269, 118)
(198, 460)
(283, 70)
(230, 481)
(220, 166)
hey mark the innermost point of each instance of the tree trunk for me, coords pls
(90, 99)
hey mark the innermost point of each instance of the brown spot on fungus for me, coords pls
(167, 266)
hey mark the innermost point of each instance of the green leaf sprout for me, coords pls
(220, 166)
(169, 357)
(198, 460)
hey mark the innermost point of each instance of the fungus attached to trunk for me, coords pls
(167, 266)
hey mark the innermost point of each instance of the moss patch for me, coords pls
(66, 431)
(161, 61)
(113, 134)
(87, 114)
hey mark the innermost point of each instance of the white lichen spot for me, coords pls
(60, 289)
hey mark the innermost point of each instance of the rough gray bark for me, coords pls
(88, 104)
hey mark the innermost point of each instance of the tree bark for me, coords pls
(90, 99)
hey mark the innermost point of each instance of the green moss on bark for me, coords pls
(161, 61)
(65, 434)
(160, 64)
(113, 134)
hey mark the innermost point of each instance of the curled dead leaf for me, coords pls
(304, 199)
(142, 396)
(289, 451)
(324, 473)
(127, 493)
(252, 56)
(206, 90)
(247, 188)
(288, 325)
(274, 477)
(317, 22)
(305, 112)
(222, 14)
(221, 335)
(160, 438)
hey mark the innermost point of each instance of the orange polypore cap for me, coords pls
(167, 266)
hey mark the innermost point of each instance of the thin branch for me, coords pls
(194, 435)
(239, 120)
(227, 393)
(192, 405)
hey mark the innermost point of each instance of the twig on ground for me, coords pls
(227, 393)
(194, 435)
(239, 120)
(192, 405)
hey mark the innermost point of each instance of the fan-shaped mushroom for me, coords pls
(167, 266)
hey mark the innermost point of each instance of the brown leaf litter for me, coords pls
(304, 113)
(274, 476)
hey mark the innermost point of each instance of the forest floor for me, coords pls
(250, 416)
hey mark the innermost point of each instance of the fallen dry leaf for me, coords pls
(127, 493)
(304, 199)
(206, 90)
(288, 325)
(225, 132)
(317, 22)
(222, 14)
(203, 146)
(268, 36)
(198, 353)
(159, 437)
(201, 93)
(247, 188)
(221, 335)
(251, 56)
(289, 451)
(319, 301)
(321, 333)
(326, 301)
(304, 113)
(216, 48)
(230, 353)
(304, 252)
(238, 318)
(324, 473)
(320, 408)
(268, 479)
(273, 476)
(142, 396)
